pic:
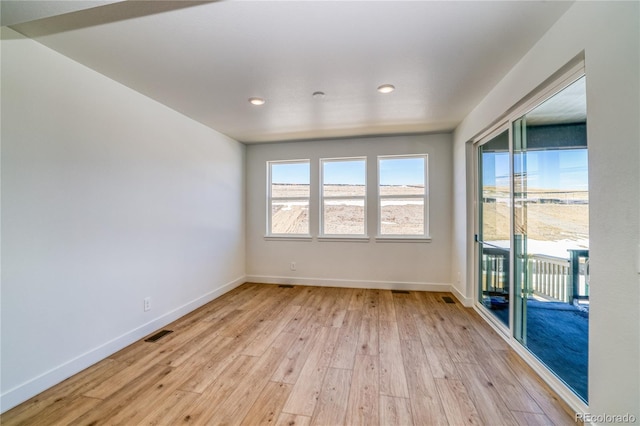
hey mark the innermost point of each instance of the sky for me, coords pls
(565, 169)
(393, 171)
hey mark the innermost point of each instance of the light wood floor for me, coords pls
(262, 354)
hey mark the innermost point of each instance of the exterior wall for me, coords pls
(419, 265)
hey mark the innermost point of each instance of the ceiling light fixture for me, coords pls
(386, 88)
(257, 101)
(318, 95)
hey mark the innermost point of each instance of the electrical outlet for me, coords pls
(292, 266)
(147, 304)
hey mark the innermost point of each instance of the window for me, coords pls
(288, 197)
(402, 196)
(343, 197)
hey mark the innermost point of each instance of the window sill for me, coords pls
(335, 238)
(288, 237)
(401, 239)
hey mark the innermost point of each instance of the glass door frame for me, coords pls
(477, 246)
(571, 72)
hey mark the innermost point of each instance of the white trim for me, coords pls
(424, 196)
(402, 239)
(343, 283)
(34, 386)
(467, 302)
(324, 198)
(344, 238)
(271, 199)
(287, 237)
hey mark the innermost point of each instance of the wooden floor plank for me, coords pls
(368, 342)
(287, 419)
(395, 411)
(125, 395)
(371, 307)
(426, 406)
(268, 406)
(405, 318)
(271, 331)
(305, 392)
(556, 410)
(364, 394)
(169, 411)
(249, 387)
(485, 397)
(332, 401)
(357, 299)
(264, 354)
(59, 414)
(59, 396)
(290, 367)
(204, 408)
(457, 404)
(440, 362)
(393, 381)
(347, 345)
(387, 307)
(512, 393)
(532, 419)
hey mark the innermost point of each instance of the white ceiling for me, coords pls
(205, 59)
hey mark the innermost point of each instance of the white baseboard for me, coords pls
(27, 390)
(467, 302)
(329, 282)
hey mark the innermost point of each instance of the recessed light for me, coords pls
(257, 101)
(318, 95)
(386, 88)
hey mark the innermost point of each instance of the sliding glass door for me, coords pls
(551, 235)
(532, 232)
(494, 225)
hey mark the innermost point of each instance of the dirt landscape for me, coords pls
(544, 216)
(344, 215)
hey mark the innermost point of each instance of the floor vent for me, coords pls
(285, 286)
(400, 292)
(448, 299)
(158, 335)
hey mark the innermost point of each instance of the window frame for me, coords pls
(322, 198)
(271, 199)
(425, 236)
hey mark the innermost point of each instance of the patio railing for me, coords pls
(555, 278)
(548, 277)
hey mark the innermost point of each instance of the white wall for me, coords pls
(609, 35)
(107, 197)
(424, 265)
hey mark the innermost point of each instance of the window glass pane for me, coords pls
(402, 176)
(290, 217)
(400, 216)
(344, 178)
(344, 216)
(290, 179)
